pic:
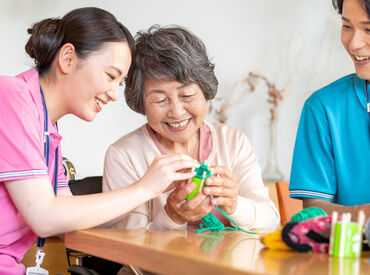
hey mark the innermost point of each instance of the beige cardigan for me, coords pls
(128, 159)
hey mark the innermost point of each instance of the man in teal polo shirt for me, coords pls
(331, 161)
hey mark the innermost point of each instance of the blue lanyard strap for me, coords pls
(46, 130)
(41, 241)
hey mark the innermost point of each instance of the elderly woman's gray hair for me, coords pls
(170, 53)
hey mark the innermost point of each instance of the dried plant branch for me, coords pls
(251, 79)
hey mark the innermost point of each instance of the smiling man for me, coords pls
(331, 161)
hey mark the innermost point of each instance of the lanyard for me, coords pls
(41, 241)
(367, 100)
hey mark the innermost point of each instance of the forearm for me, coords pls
(48, 215)
(64, 192)
(95, 209)
(250, 213)
(329, 207)
(137, 218)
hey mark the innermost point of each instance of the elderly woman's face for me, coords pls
(174, 110)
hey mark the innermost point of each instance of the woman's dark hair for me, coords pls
(170, 53)
(338, 5)
(87, 29)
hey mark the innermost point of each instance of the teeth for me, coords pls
(100, 104)
(178, 125)
(361, 58)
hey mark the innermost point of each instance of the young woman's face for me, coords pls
(174, 111)
(96, 80)
(356, 35)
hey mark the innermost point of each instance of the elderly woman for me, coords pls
(171, 81)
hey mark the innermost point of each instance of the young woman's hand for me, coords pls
(224, 186)
(181, 210)
(165, 170)
(49, 215)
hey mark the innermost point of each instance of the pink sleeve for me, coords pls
(21, 136)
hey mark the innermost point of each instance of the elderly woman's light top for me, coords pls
(170, 83)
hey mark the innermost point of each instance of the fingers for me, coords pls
(223, 172)
(220, 192)
(176, 159)
(196, 208)
(170, 187)
(196, 202)
(226, 203)
(219, 170)
(220, 181)
(182, 176)
(200, 210)
(221, 176)
(191, 210)
(224, 188)
(176, 162)
(180, 194)
(166, 167)
(175, 185)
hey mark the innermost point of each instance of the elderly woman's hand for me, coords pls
(224, 186)
(181, 210)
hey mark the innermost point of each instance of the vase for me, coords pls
(272, 172)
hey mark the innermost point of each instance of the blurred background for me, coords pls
(294, 44)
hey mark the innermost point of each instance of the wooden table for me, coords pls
(182, 252)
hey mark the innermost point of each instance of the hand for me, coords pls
(224, 186)
(164, 170)
(181, 210)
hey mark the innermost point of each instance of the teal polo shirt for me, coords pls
(331, 159)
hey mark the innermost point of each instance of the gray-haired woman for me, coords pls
(170, 83)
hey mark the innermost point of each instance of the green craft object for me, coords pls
(210, 222)
(195, 191)
(197, 179)
(202, 168)
(348, 243)
(307, 213)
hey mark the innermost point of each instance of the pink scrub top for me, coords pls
(22, 157)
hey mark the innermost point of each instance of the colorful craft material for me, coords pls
(273, 240)
(210, 222)
(346, 239)
(309, 235)
(308, 213)
(202, 173)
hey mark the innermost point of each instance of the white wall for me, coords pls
(285, 40)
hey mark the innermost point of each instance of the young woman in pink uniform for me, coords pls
(81, 60)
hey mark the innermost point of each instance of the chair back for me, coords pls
(287, 206)
(69, 169)
(85, 186)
